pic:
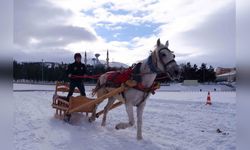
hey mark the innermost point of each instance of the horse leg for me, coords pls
(140, 109)
(122, 125)
(111, 100)
(93, 116)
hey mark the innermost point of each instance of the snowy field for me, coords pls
(173, 120)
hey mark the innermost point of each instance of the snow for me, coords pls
(172, 120)
(200, 87)
(171, 87)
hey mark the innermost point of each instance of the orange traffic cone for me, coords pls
(208, 99)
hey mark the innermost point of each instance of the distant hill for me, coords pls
(89, 61)
(111, 64)
(118, 64)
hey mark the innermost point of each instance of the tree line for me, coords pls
(50, 71)
(40, 71)
(202, 73)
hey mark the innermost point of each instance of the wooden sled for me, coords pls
(82, 103)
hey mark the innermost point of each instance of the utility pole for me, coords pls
(85, 58)
(204, 75)
(107, 59)
(42, 70)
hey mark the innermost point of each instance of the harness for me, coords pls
(151, 65)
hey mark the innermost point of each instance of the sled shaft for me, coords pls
(112, 107)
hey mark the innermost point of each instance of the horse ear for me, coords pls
(158, 42)
(167, 44)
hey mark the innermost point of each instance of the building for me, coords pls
(226, 74)
(221, 70)
(190, 83)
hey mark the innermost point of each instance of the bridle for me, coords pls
(153, 62)
(162, 62)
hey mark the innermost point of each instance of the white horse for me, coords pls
(161, 60)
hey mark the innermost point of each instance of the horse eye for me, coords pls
(163, 55)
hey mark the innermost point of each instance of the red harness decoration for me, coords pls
(119, 77)
(150, 89)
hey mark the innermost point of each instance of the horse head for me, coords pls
(162, 60)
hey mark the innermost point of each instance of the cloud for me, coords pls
(193, 28)
(42, 24)
(214, 38)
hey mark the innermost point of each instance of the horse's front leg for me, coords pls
(122, 125)
(140, 109)
(111, 100)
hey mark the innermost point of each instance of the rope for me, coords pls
(86, 76)
(158, 78)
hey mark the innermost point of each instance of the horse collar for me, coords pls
(153, 68)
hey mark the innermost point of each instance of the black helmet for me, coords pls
(77, 55)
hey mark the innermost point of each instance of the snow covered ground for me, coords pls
(172, 120)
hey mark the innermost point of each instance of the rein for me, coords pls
(86, 76)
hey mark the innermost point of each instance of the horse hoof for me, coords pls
(117, 128)
(67, 118)
(90, 120)
(139, 138)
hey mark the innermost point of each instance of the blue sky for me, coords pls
(123, 31)
(127, 32)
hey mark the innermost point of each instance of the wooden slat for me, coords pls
(58, 116)
(62, 101)
(59, 107)
(64, 87)
(61, 84)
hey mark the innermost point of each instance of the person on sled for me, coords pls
(74, 71)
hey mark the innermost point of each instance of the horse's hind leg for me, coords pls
(111, 100)
(93, 116)
(122, 125)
